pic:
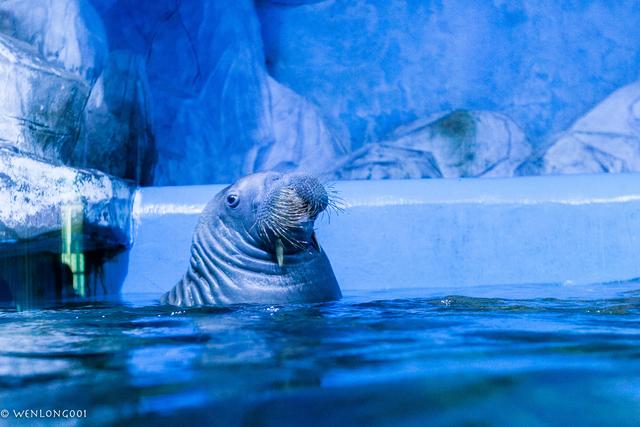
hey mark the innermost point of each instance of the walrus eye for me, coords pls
(233, 200)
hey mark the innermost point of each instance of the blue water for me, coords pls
(384, 358)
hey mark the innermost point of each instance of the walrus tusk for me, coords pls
(280, 252)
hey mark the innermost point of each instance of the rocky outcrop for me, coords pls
(217, 113)
(66, 98)
(41, 105)
(387, 161)
(458, 144)
(371, 66)
(64, 232)
(206, 78)
(606, 139)
(117, 136)
(34, 196)
(301, 140)
(52, 214)
(67, 33)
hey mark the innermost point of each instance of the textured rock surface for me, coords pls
(607, 139)
(67, 33)
(363, 68)
(33, 194)
(216, 112)
(301, 140)
(458, 144)
(65, 232)
(206, 75)
(113, 127)
(41, 105)
(387, 161)
(372, 66)
(117, 136)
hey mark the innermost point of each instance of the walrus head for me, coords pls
(278, 214)
(255, 242)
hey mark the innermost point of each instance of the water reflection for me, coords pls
(72, 251)
(448, 360)
(78, 262)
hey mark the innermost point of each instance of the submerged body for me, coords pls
(255, 243)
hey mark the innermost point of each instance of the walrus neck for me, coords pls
(225, 266)
(238, 247)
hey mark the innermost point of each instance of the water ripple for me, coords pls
(451, 359)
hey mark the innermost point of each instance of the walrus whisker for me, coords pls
(287, 207)
(335, 204)
(279, 232)
(280, 252)
(254, 225)
(290, 241)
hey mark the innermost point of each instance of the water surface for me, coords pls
(383, 358)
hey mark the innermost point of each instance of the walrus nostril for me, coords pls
(288, 210)
(311, 191)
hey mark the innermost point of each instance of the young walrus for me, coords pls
(255, 243)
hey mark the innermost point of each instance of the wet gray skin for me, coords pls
(255, 243)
